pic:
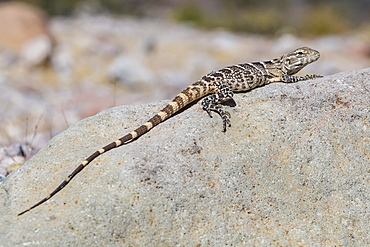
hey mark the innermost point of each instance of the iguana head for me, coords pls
(296, 60)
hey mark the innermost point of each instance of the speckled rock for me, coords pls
(292, 170)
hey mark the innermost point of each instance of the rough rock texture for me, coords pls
(292, 170)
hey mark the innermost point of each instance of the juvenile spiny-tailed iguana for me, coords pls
(218, 87)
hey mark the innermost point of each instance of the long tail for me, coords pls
(190, 94)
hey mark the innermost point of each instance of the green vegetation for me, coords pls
(312, 20)
(302, 17)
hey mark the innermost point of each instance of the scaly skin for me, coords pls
(216, 87)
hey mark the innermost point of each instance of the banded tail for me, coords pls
(189, 95)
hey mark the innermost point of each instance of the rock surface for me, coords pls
(292, 170)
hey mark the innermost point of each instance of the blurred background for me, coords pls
(61, 61)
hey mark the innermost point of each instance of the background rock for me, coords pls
(130, 72)
(292, 170)
(24, 30)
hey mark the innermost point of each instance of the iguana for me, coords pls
(215, 88)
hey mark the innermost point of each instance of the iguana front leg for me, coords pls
(211, 103)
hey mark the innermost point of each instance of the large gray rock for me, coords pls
(294, 169)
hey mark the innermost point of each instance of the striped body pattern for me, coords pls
(215, 88)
